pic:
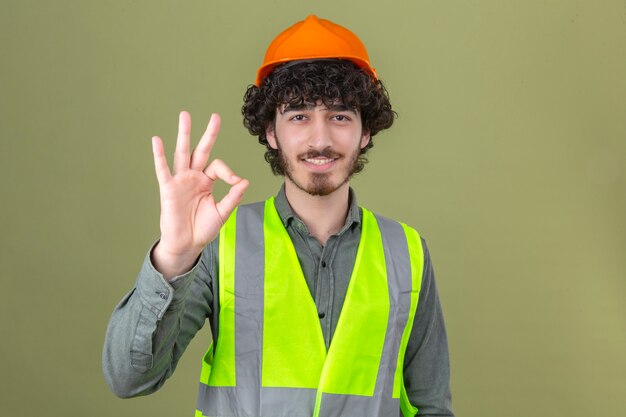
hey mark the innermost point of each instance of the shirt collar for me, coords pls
(287, 215)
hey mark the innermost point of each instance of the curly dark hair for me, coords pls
(308, 82)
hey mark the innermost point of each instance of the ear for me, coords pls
(270, 134)
(365, 138)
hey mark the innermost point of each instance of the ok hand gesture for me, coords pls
(190, 216)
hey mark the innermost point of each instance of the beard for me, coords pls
(319, 183)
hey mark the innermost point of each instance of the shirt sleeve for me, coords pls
(153, 324)
(426, 361)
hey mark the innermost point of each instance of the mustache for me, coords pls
(324, 153)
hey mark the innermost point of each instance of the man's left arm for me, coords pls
(426, 361)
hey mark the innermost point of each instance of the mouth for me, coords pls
(319, 164)
(319, 161)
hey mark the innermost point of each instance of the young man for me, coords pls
(317, 307)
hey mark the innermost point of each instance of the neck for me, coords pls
(323, 215)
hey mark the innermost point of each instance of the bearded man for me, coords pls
(317, 306)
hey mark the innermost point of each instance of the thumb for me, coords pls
(231, 200)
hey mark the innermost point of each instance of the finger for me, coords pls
(231, 200)
(219, 169)
(202, 151)
(160, 162)
(181, 154)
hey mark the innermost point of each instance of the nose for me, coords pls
(320, 135)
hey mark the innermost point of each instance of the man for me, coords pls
(317, 307)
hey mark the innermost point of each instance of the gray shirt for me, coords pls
(153, 324)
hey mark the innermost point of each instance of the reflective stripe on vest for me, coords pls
(270, 358)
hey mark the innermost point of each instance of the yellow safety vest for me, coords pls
(270, 359)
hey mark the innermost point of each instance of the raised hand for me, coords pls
(190, 216)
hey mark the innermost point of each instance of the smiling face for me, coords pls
(318, 146)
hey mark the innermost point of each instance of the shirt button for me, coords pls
(321, 314)
(163, 295)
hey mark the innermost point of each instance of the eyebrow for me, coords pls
(310, 106)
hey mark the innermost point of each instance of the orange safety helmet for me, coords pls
(314, 38)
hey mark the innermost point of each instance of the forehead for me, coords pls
(335, 105)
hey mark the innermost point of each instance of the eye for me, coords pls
(341, 118)
(298, 117)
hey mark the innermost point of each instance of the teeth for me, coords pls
(319, 161)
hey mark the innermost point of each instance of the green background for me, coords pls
(509, 156)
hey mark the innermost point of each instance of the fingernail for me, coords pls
(235, 177)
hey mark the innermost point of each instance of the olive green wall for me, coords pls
(509, 156)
